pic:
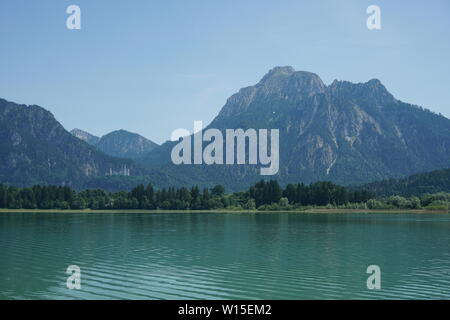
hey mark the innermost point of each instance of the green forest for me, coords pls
(415, 185)
(264, 195)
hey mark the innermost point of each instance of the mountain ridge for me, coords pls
(345, 132)
(37, 149)
(118, 143)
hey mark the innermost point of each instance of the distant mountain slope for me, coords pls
(415, 185)
(119, 143)
(36, 149)
(85, 136)
(346, 133)
(125, 144)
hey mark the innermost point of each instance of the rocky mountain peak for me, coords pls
(372, 91)
(279, 84)
(287, 81)
(377, 88)
(278, 72)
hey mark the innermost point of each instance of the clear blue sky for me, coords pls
(153, 66)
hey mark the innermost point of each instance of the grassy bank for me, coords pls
(310, 210)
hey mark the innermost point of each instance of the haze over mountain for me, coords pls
(345, 132)
(119, 143)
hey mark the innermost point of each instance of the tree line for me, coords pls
(264, 195)
(147, 197)
(415, 185)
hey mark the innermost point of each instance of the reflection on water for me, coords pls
(224, 256)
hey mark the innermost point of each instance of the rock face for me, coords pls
(36, 149)
(85, 136)
(345, 132)
(125, 144)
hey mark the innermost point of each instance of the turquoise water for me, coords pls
(224, 256)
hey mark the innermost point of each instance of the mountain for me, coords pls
(36, 149)
(415, 185)
(347, 133)
(124, 144)
(120, 143)
(85, 136)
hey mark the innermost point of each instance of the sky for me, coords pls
(151, 67)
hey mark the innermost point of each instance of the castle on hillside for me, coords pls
(125, 171)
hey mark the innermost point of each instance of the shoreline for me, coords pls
(306, 211)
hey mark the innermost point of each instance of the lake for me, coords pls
(224, 256)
